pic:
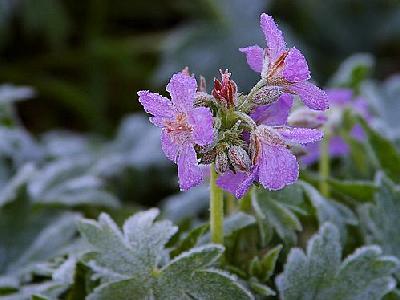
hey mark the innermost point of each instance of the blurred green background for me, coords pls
(87, 59)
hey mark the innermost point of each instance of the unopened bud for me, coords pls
(307, 118)
(202, 87)
(221, 162)
(207, 154)
(225, 90)
(239, 158)
(267, 95)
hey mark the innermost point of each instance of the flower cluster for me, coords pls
(245, 137)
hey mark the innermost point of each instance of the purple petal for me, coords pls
(168, 146)
(296, 68)
(358, 133)
(275, 42)
(237, 184)
(157, 105)
(201, 120)
(338, 147)
(361, 107)
(339, 96)
(182, 89)
(311, 95)
(278, 167)
(189, 172)
(300, 135)
(312, 154)
(273, 114)
(254, 56)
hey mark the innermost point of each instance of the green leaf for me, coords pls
(264, 268)
(261, 289)
(132, 265)
(277, 214)
(329, 210)
(385, 153)
(360, 191)
(364, 275)
(190, 240)
(382, 219)
(353, 71)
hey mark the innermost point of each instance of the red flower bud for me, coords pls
(226, 90)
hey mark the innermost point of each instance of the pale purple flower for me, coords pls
(283, 67)
(273, 164)
(183, 126)
(340, 100)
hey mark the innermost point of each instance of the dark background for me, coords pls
(87, 59)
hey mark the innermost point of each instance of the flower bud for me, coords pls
(239, 158)
(307, 118)
(226, 90)
(221, 162)
(267, 95)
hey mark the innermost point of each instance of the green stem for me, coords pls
(324, 165)
(230, 203)
(216, 209)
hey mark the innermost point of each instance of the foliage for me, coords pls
(129, 263)
(365, 274)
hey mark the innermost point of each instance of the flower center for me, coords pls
(179, 129)
(275, 69)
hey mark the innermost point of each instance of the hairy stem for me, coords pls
(216, 209)
(324, 165)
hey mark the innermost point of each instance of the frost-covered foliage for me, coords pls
(365, 274)
(68, 230)
(135, 262)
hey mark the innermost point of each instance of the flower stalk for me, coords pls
(324, 165)
(216, 209)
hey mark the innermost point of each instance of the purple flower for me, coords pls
(183, 126)
(273, 164)
(340, 100)
(283, 67)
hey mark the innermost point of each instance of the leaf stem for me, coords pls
(324, 167)
(216, 209)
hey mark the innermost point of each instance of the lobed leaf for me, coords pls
(366, 274)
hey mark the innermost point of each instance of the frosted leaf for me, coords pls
(69, 182)
(273, 211)
(329, 210)
(232, 224)
(10, 189)
(187, 204)
(10, 93)
(40, 241)
(128, 263)
(381, 220)
(353, 70)
(364, 275)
